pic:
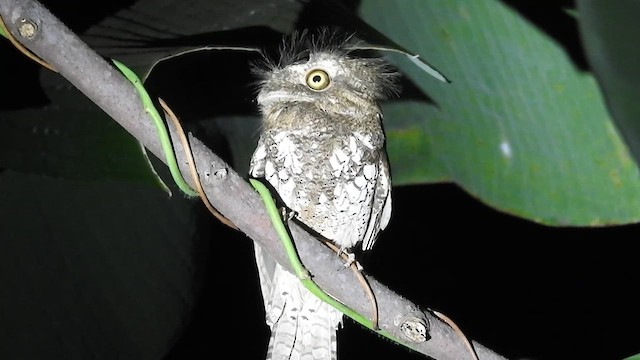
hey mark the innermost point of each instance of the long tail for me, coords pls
(302, 326)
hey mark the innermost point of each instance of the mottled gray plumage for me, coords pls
(322, 150)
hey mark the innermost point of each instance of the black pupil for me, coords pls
(316, 78)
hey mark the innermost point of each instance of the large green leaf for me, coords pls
(69, 139)
(96, 270)
(521, 127)
(610, 33)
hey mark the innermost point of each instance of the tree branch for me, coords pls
(230, 193)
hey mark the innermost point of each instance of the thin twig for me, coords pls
(361, 279)
(192, 165)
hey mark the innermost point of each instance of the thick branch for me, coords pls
(229, 192)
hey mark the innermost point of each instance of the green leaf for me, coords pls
(633, 357)
(71, 139)
(96, 270)
(610, 34)
(521, 127)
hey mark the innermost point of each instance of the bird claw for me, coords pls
(288, 214)
(351, 259)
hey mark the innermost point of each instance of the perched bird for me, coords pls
(322, 148)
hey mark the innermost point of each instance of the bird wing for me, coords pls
(381, 207)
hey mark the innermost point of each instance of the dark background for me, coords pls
(521, 289)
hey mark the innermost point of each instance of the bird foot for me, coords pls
(288, 214)
(351, 260)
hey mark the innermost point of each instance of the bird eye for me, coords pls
(318, 80)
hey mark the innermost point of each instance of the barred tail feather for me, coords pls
(302, 326)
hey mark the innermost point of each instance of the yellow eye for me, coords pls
(318, 80)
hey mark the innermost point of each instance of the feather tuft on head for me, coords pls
(371, 78)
